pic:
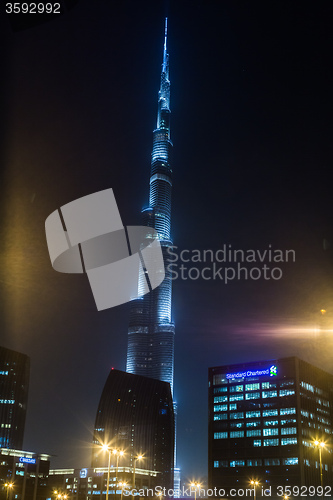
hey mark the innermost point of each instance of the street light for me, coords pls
(139, 457)
(8, 486)
(106, 448)
(254, 483)
(122, 484)
(320, 445)
(195, 485)
(118, 453)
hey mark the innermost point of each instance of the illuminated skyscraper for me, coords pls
(151, 331)
(14, 384)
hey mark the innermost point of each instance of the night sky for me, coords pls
(251, 100)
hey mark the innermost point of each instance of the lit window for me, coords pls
(289, 421)
(236, 388)
(257, 442)
(290, 461)
(252, 414)
(236, 397)
(220, 399)
(216, 463)
(270, 413)
(307, 386)
(220, 435)
(233, 407)
(220, 407)
(269, 394)
(252, 387)
(218, 390)
(255, 423)
(236, 415)
(237, 463)
(221, 416)
(269, 423)
(287, 383)
(271, 442)
(286, 392)
(237, 434)
(272, 461)
(253, 433)
(289, 430)
(236, 425)
(287, 411)
(254, 462)
(285, 441)
(271, 432)
(252, 395)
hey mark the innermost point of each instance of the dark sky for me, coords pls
(251, 101)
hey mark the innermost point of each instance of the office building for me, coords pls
(89, 483)
(135, 415)
(18, 472)
(270, 421)
(14, 384)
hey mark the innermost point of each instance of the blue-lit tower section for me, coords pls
(151, 331)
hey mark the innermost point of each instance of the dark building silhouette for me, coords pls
(267, 421)
(14, 385)
(135, 414)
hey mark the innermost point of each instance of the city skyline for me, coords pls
(251, 118)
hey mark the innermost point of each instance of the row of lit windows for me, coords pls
(7, 401)
(255, 432)
(256, 462)
(221, 379)
(255, 413)
(255, 423)
(254, 395)
(314, 389)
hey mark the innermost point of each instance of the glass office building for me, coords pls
(14, 385)
(270, 421)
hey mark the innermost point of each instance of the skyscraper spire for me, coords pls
(151, 330)
(165, 55)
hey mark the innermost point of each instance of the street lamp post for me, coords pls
(106, 448)
(195, 486)
(320, 445)
(254, 483)
(118, 453)
(122, 484)
(139, 457)
(8, 486)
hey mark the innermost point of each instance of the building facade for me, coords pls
(151, 331)
(88, 483)
(270, 422)
(18, 472)
(135, 415)
(14, 385)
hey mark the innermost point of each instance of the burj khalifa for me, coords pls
(151, 331)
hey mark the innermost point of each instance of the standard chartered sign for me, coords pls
(272, 371)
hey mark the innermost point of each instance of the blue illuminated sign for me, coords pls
(26, 460)
(272, 371)
(83, 473)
